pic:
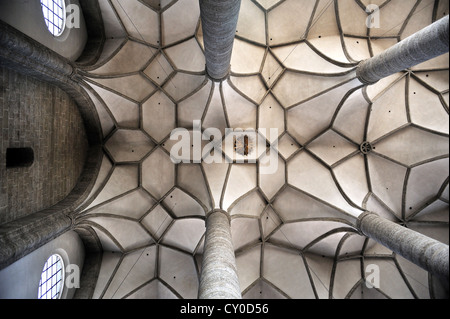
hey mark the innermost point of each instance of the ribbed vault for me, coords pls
(341, 148)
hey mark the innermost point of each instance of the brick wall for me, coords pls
(41, 116)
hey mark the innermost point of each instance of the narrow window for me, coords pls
(19, 157)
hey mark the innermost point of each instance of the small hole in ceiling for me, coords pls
(320, 36)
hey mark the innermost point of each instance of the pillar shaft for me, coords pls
(219, 20)
(422, 46)
(219, 279)
(421, 250)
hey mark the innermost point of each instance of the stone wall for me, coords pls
(41, 116)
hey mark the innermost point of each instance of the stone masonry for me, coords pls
(41, 116)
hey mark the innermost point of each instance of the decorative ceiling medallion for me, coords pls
(243, 144)
(366, 148)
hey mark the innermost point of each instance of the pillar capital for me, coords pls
(360, 72)
(218, 211)
(360, 220)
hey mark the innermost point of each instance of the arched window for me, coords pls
(19, 157)
(52, 278)
(54, 12)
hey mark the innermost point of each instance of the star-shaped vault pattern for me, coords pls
(293, 69)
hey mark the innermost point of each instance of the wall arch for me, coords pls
(26, 56)
(95, 33)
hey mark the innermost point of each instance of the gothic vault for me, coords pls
(341, 147)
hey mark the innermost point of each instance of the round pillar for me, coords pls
(422, 46)
(219, 279)
(219, 20)
(421, 250)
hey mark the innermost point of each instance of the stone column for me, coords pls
(421, 250)
(219, 279)
(422, 46)
(219, 20)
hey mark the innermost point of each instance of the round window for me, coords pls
(54, 12)
(52, 277)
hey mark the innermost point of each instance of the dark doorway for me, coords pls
(19, 157)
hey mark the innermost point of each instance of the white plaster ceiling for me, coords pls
(293, 68)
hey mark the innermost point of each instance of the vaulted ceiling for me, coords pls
(293, 69)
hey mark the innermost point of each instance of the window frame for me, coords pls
(59, 284)
(49, 14)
